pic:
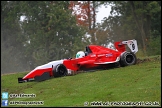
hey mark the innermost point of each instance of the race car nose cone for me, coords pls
(20, 80)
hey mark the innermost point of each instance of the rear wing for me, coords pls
(132, 44)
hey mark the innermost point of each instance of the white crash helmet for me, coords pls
(80, 54)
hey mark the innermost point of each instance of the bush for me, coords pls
(154, 46)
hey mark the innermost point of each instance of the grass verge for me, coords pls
(136, 83)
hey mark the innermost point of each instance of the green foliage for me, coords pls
(140, 53)
(48, 32)
(133, 20)
(53, 34)
(136, 83)
(155, 46)
(12, 49)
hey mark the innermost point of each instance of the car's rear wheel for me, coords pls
(128, 58)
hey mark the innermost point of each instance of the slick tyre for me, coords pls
(59, 70)
(127, 58)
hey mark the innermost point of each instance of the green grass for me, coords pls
(140, 82)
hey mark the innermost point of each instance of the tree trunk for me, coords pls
(93, 23)
(140, 26)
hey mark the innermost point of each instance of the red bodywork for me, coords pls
(99, 56)
(38, 72)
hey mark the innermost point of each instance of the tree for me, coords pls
(12, 56)
(53, 32)
(86, 16)
(133, 19)
(49, 31)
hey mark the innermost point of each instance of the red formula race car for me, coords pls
(95, 57)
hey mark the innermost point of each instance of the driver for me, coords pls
(80, 54)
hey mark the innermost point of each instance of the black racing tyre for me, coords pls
(127, 58)
(59, 70)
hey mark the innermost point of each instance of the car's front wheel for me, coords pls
(59, 70)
